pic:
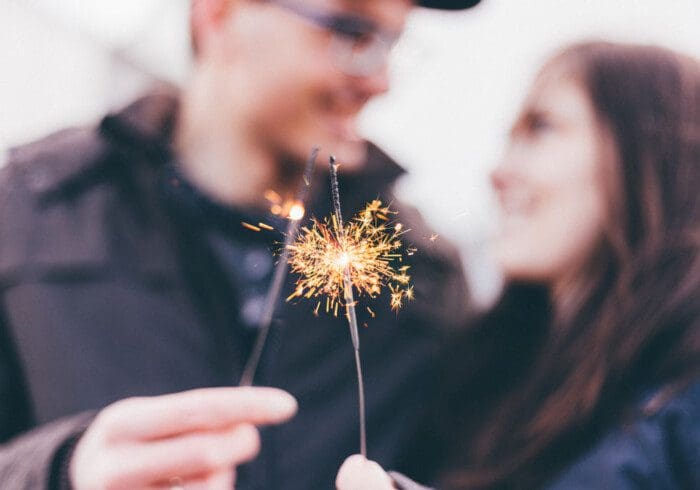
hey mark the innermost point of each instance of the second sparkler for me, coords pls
(334, 260)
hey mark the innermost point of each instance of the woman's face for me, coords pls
(549, 184)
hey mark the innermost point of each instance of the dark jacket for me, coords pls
(657, 450)
(109, 290)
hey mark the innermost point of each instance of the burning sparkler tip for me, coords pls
(296, 212)
(365, 252)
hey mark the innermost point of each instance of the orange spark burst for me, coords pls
(369, 247)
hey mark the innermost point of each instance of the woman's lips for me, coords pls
(516, 202)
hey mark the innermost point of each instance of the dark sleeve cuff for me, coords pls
(28, 461)
(60, 475)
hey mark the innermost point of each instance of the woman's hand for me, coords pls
(357, 473)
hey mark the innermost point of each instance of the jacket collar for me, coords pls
(143, 130)
(146, 127)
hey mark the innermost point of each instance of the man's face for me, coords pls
(297, 81)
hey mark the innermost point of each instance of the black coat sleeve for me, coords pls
(28, 456)
(30, 462)
(15, 414)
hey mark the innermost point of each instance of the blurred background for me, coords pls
(458, 80)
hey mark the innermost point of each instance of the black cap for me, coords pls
(448, 4)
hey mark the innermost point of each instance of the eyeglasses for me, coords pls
(359, 46)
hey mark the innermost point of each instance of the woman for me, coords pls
(587, 373)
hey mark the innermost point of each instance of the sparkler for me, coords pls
(349, 304)
(296, 213)
(334, 259)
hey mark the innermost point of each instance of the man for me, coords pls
(127, 280)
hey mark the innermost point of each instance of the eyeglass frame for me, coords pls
(348, 30)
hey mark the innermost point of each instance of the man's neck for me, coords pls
(215, 154)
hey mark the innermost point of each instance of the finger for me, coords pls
(359, 473)
(197, 410)
(351, 467)
(188, 456)
(218, 481)
(354, 461)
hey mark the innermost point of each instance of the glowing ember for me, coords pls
(290, 208)
(249, 226)
(344, 260)
(296, 212)
(369, 250)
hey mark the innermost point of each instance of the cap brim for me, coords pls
(448, 4)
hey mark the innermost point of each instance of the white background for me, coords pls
(458, 80)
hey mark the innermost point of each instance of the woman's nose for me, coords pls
(501, 174)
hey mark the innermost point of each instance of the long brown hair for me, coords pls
(637, 324)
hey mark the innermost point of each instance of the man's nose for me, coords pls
(375, 83)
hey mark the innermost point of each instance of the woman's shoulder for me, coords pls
(659, 448)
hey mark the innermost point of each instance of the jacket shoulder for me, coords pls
(35, 228)
(43, 164)
(661, 450)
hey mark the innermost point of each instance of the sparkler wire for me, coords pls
(273, 293)
(349, 305)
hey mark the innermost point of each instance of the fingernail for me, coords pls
(285, 404)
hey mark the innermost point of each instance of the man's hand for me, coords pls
(193, 439)
(357, 473)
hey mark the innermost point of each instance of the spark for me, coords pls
(292, 209)
(396, 297)
(459, 215)
(265, 226)
(273, 197)
(249, 226)
(368, 250)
